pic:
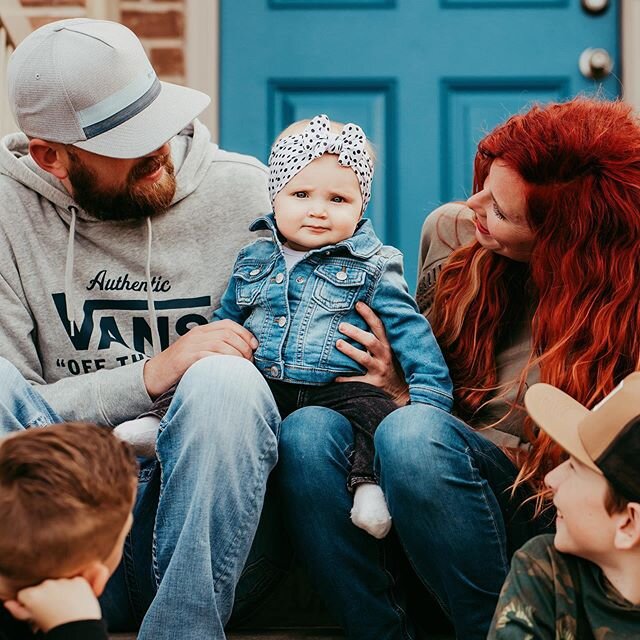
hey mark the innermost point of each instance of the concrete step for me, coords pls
(282, 634)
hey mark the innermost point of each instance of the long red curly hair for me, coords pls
(581, 163)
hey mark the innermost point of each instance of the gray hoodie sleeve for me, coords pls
(106, 397)
(109, 397)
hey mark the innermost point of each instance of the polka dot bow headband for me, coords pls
(293, 153)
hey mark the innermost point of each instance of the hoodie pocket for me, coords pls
(337, 286)
(250, 277)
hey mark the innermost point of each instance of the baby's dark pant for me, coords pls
(362, 404)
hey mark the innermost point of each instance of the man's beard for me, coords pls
(134, 201)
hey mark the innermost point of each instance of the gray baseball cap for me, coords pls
(89, 83)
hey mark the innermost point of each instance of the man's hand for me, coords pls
(222, 337)
(55, 602)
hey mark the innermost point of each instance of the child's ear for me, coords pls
(97, 575)
(627, 534)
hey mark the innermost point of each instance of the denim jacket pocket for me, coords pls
(337, 285)
(250, 276)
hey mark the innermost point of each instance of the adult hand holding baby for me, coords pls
(383, 370)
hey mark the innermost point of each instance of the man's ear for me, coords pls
(97, 575)
(627, 534)
(49, 156)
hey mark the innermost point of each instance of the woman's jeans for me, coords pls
(363, 405)
(198, 505)
(448, 491)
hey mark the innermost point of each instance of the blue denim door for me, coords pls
(424, 78)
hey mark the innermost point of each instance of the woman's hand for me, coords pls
(383, 370)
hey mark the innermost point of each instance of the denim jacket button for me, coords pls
(341, 275)
(281, 321)
(254, 272)
(274, 370)
(279, 278)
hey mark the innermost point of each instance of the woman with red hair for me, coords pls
(535, 277)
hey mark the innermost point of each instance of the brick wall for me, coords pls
(160, 25)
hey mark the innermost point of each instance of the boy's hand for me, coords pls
(55, 602)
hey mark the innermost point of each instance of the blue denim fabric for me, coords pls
(447, 489)
(350, 569)
(295, 315)
(197, 506)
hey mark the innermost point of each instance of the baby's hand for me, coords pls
(55, 602)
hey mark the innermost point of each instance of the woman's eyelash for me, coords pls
(498, 213)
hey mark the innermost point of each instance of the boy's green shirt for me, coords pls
(552, 595)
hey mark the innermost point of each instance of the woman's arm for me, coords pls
(445, 229)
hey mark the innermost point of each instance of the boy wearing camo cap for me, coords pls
(584, 583)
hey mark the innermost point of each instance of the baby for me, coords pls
(293, 289)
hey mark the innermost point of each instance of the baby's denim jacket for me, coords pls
(295, 315)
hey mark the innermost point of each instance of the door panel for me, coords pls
(425, 79)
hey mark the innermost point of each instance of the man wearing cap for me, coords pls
(119, 222)
(584, 583)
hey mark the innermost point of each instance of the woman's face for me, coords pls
(500, 214)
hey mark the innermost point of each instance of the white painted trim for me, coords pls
(202, 40)
(630, 50)
(152, 7)
(103, 9)
(12, 15)
(630, 21)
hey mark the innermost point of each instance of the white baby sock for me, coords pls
(370, 510)
(141, 434)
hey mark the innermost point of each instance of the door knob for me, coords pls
(595, 63)
(595, 6)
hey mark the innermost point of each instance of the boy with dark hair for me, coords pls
(66, 494)
(584, 583)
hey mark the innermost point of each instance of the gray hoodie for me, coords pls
(76, 309)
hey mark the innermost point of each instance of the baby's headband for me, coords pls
(293, 153)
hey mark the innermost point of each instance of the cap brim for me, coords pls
(559, 415)
(173, 109)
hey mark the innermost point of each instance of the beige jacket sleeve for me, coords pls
(444, 230)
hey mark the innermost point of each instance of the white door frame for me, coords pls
(202, 54)
(630, 51)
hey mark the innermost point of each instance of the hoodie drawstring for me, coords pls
(68, 284)
(68, 274)
(153, 319)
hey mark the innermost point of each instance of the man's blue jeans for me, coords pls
(198, 505)
(447, 489)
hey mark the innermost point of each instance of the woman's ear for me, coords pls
(627, 534)
(49, 156)
(97, 575)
